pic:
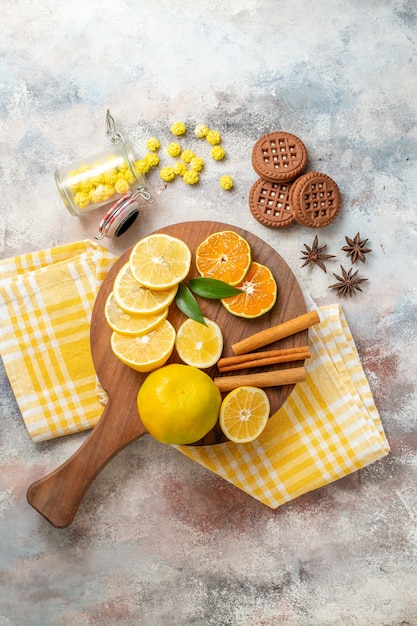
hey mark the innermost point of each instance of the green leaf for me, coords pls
(212, 288)
(186, 303)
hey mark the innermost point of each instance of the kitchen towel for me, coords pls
(46, 301)
(328, 427)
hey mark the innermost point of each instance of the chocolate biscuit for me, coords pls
(315, 200)
(269, 203)
(279, 157)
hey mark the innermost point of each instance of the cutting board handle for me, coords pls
(58, 495)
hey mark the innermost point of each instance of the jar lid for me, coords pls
(120, 217)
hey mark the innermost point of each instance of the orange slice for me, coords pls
(125, 323)
(199, 345)
(145, 353)
(259, 295)
(138, 300)
(160, 261)
(224, 255)
(244, 413)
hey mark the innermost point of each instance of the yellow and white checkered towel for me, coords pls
(46, 300)
(328, 428)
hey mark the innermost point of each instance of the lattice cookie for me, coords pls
(269, 203)
(279, 156)
(315, 200)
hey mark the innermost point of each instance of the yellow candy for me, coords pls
(121, 186)
(179, 168)
(197, 164)
(142, 166)
(217, 153)
(190, 177)
(201, 131)
(152, 159)
(82, 199)
(179, 128)
(101, 193)
(167, 173)
(153, 144)
(110, 177)
(174, 149)
(187, 156)
(213, 137)
(127, 175)
(226, 182)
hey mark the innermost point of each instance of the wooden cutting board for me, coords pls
(58, 495)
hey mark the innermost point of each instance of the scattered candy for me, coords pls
(179, 128)
(197, 164)
(213, 137)
(190, 177)
(226, 182)
(179, 168)
(152, 159)
(201, 131)
(217, 153)
(187, 156)
(174, 149)
(153, 144)
(167, 174)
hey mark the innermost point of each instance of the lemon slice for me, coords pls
(199, 345)
(145, 353)
(244, 413)
(160, 261)
(127, 324)
(138, 300)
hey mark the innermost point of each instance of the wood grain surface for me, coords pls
(58, 495)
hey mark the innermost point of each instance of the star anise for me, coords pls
(356, 248)
(348, 283)
(315, 254)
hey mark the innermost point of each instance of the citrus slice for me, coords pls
(160, 261)
(224, 255)
(127, 324)
(138, 300)
(199, 345)
(259, 295)
(244, 413)
(145, 353)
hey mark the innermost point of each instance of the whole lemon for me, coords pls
(178, 404)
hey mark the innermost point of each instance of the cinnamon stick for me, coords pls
(269, 335)
(272, 378)
(258, 359)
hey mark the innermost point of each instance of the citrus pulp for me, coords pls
(244, 413)
(160, 261)
(198, 344)
(224, 255)
(259, 295)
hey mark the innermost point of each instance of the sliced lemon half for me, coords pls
(244, 413)
(199, 345)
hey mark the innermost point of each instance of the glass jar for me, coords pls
(99, 180)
